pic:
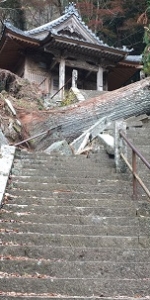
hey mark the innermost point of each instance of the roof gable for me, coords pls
(74, 29)
(69, 25)
(67, 32)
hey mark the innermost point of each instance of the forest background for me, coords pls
(117, 22)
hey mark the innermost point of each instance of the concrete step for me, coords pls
(38, 252)
(51, 178)
(62, 159)
(72, 211)
(100, 173)
(65, 168)
(68, 194)
(70, 229)
(73, 191)
(91, 219)
(54, 201)
(77, 269)
(139, 136)
(79, 287)
(23, 154)
(74, 186)
(59, 160)
(52, 296)
(75, 240)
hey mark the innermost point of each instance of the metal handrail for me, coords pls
(133, 168)
(47, 132)
(60, 88)
(32, 137)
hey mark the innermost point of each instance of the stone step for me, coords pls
(144, 148)
(70, 229)
(68, 194)
(139, 130)
(44, 190)
(21, 154)
(73, 186)
(76, 269)
(72, 211)
(144, 152)
(79, 287)
(53, 296)
(139, 136)
(65, 161)
(68, 253)
(59, 159)
(141, 147)
(75, 240)
(53, 201)
(62, 159)
(65, 168)
(70, 219)
(97, 154)
(68, 180)
(101, 173)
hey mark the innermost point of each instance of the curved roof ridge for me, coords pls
(70, 10)
(47, 26)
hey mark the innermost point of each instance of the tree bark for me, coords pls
(69, 122)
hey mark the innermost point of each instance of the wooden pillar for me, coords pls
(100, 79)
(61, 77)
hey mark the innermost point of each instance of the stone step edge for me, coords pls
(48, 296)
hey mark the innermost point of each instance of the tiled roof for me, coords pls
(50, 27)
(17, 30)
(69, 11)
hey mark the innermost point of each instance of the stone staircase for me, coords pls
(69, 229)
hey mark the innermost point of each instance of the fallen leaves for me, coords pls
(14, 294)
(26, 275)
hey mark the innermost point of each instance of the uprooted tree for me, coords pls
(70, 122)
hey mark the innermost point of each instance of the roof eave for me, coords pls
(104, 48)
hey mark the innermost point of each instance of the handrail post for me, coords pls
(134, 172)
(136, 179)
(120, 147)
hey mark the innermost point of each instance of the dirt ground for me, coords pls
(26, 99)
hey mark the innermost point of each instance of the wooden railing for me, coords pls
(133, 167)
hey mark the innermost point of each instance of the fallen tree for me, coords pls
(69, 122)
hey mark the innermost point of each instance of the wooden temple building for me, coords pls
(48, 55)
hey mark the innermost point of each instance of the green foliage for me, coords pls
(69, 98)
(146, 53)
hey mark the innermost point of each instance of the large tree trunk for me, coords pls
(69, 122)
